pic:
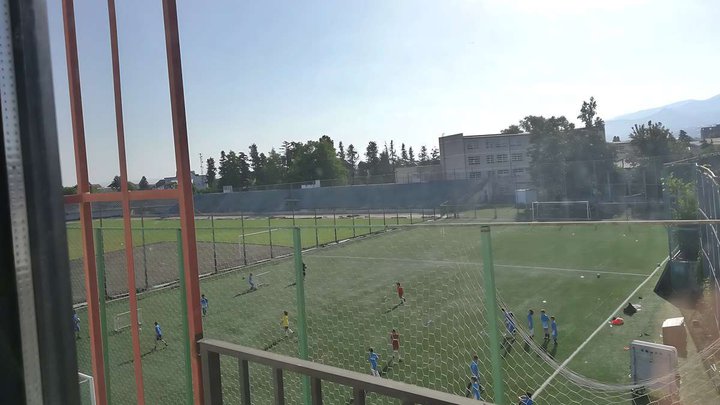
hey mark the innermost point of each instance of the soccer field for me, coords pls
(223, 243)
(351, 305)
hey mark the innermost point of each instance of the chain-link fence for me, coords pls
(441, 318)
(224, 243)
(708, 191)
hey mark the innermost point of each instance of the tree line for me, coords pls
(301, 162)
(312, 160)
(577, 163)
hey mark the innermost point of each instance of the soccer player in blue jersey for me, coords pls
(506, 315)
(545, 321)
(76, 324)
(531, 323)
(475, 388)
(474, 377)
(553, 326)
(474, 370)
(373, 359)
(204, 304)
(509, 322)
(158, 336)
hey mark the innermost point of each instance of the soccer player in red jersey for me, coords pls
(401, 292)
(395, 343)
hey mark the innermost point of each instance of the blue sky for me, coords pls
(407, 70)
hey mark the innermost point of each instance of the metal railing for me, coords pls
(361, 384)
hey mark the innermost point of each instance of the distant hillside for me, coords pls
(689, 115)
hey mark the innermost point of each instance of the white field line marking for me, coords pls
(258, 233)
(571, 270)
(599, 328)
(263, 273)
(397, 259)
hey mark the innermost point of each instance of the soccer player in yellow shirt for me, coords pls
(285, 322)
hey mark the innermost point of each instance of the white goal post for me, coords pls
(122, 320)
(560, 210)
(87, 388)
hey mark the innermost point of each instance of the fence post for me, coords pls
(301, 320)
(492, 311)
(335, 225)
(397, 216)
(353, 224)
(242, 235)
(317, 240)
(142, 235)
(270, 236)
(212, 228)
(102, 286)
(384, 221)
(369, 221)
(411, 217)
(185, 328)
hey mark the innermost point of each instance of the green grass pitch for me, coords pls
(350, 300)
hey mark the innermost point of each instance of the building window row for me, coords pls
(475, 175)
(494, 143)
(501, 158)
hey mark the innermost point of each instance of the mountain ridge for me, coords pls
(687, 115)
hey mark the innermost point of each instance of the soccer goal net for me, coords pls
(561, 210)
(87, 389)
(122, 320)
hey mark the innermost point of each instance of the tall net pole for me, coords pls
(492, 312)
(100, 265)
(214, 245)
(183, 306)
(301, 320)
(142, 234)
(242, 230)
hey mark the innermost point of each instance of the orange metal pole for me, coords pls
(187, 214)
(127, 220)
(83, 184)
